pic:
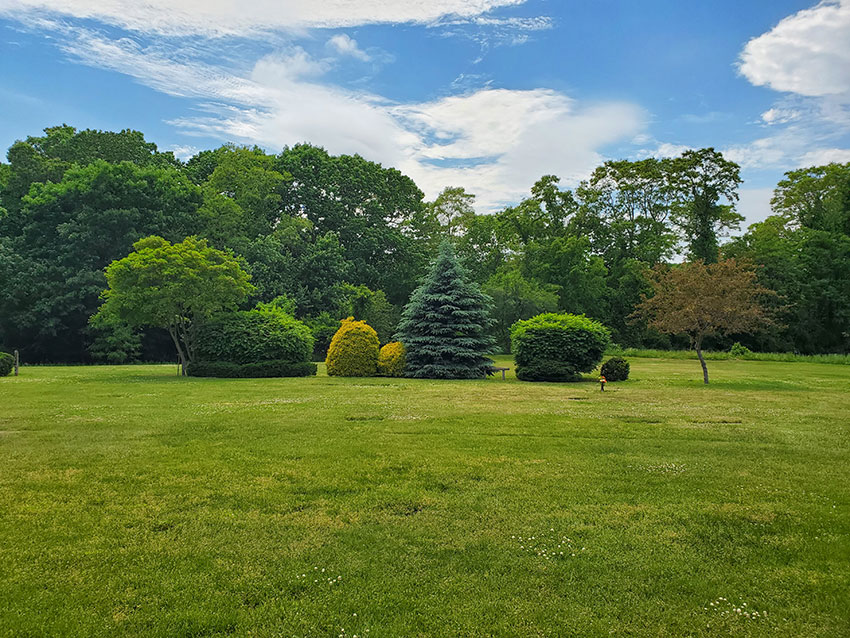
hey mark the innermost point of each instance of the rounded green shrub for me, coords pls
(353, 351)
(391, 360)
(615, 369)
(7, 363)
(253, 336)
(737, 350)
(557, 347)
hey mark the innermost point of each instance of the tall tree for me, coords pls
(366, 205)
(703, 180)
(701, 299)
(817, 197)
(172, 287)
(630, 203)
(445, 327)
(46, 158)
(66, 234)
(450, 208)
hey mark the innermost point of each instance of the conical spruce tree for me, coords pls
(444, 327)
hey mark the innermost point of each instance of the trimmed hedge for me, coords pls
(615, 369)
(254, 336)
(391, 360)
(7, 364)
(353, 351)
(557, 347)
(262, 369)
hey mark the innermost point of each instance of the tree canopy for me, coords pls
(700, 299)
(172, 286)
(339, 235)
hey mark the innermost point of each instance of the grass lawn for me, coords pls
(137, 503)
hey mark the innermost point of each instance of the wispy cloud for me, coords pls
(227, 18)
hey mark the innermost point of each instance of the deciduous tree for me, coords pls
(172, 286)
(702, 299)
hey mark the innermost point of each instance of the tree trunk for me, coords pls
(702, 361)
(180, 356)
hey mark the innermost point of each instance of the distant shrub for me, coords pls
(557, 347)
(266, 334)
(7, 363)
(737, 350)
(615, 369)
(353, 351)
(262, 369)
(391, 360)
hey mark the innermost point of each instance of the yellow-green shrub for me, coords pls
(353, 351)
(391, 360)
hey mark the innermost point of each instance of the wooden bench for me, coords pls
(502, 370)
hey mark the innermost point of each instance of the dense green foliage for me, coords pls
(255, 370)
(392, 360)
(557, 347)
(173, 286)
(252, 336)
(354, 350)
(444, 328)
(615, 369)
(161, 507)
(7, 364)
(342, 236)
(515, 298)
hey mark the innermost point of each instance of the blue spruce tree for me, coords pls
(444, 327)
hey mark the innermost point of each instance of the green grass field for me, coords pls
(137, 503)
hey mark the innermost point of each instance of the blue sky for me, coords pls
(485, 94)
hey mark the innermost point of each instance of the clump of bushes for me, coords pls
(737, 350)
(615, 369)
(392, 360)
(353, 351)
(557, 347)
(7, 363)
(265, 342)
(252, 336)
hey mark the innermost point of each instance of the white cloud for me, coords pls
(495, 142)
(345, 45)
(754, 204)
(776, 115)
(822, 156)
(229, 18)
(807, 57)
(807, 53)
(660, 150)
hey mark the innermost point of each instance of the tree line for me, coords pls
(335, 236)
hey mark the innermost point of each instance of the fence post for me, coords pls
(17, 362)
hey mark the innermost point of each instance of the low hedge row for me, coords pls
(262, 369)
